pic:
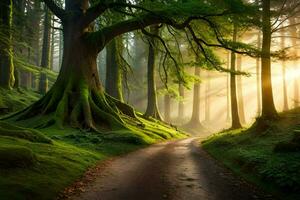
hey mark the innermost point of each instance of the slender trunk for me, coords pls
(45, 62)
(52, 45)
(152, 105)
(240, 91)
(293, 31)
(228, 118)
(6, 51)
(284, 85)
(113, 85)
(207, 97)
(167, 106)
(233, 93)
(268, 107)
(60, 51)
(258, 77)
(181, 112)
(196, 99)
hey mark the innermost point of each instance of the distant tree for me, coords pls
(233, 93)
(6, 50)
(46, 48)
(284, 84)
(240, 90)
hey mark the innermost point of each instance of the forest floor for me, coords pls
(38, 163)
(174, 170)
(269, 159)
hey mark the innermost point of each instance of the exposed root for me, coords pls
(83, 108)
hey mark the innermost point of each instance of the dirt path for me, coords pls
(176, 170)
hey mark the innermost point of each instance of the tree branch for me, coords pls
(58, 11)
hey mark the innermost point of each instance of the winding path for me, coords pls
(177, 170)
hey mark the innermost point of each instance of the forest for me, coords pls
(149, 99)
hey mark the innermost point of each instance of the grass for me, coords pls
(269, 159)
(38, 163)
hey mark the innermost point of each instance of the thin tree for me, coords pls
(6, 51)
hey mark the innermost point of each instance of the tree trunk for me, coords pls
(293, 31)
(113, 84)
(45, 62)
(77, 97)
(6, 51)
(181, 113)
(167, 106)
(196, 100)
(207, 97)
(268, 107)
(284, 85)
(228, 118)
(152, 105)
(240, 91)
(258, 77)
(233, 93)
(52, 53)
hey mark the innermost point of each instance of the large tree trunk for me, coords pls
(240, 91)
(268, 107)
(294, 36)
(233, 93)
(45, 62)
(113, 84)
(152, 105)
(6, 52)
(77, 97)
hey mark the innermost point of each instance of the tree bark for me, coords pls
(113, 83)
(228, 115)
(6, 50)
(235, 124)
(268, 107)
(152, 105)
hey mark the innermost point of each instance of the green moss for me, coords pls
(16, 156)
(269, 159)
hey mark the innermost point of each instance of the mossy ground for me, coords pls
(17, 99)
(260, 157)
(46, 168)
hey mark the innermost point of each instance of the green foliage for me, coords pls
(267, 158)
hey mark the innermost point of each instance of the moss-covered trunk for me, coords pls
(152, 105)
(113, 81)
(268, 107)
(77, 97)
(6, 53)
